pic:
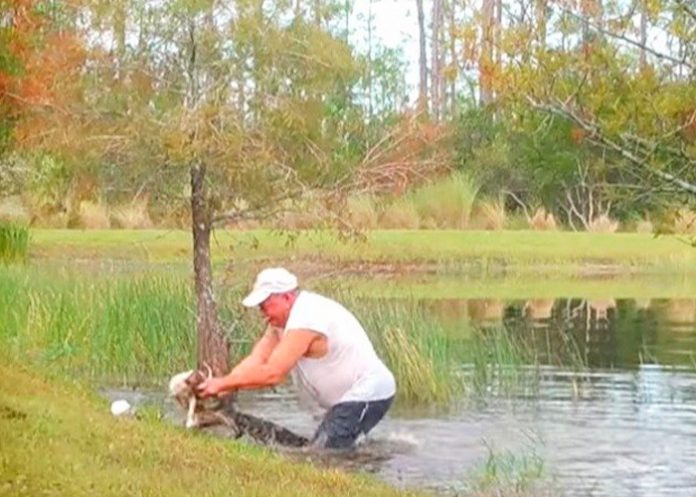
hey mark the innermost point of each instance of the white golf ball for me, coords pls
(119, 407)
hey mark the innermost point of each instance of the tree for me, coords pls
(627, 105)
(422, 60)
(251, 103)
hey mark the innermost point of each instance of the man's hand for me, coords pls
(211, 387)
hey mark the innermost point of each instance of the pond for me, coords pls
(618, 418)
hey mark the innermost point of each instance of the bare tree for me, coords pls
(422, 61)
(486, 52)
(435, 60)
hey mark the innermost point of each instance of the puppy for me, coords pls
(182, 387)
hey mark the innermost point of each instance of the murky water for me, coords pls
(623, 426)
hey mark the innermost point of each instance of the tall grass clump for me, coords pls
(446, 203)
(132, 215)
(602, 224)
(510, 474)
(93, 215)
(362, 212)
(400, 214)
(490, 215)
(14, 242)
(501, 361)
(417, 350)
(685, 222)
(112, 327)
(542, 220)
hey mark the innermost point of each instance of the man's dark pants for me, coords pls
(346, 421)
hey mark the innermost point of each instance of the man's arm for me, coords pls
(262, 348)
(251, 374)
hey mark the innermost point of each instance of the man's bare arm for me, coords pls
(268, 373)
(262, 349)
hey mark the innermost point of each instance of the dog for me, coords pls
(182, 387)
(212, 411)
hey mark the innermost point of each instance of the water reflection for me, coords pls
(625, 430)
(605, 333)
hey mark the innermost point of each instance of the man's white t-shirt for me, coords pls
(351, 369)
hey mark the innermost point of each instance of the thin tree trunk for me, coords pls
(369, 61)
(317, 13)
(540, 14)
(486, 57)
(643, 33)
(435, 70)
(422, 61)
(120, 16)
(453, 58)
(213, 348)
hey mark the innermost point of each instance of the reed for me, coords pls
(507, 473)
(501, 363)
(416, 348)
(14, 242)
(125, 328)
(115, 328)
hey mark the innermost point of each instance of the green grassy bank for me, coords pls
(58, 439)
(558, 251)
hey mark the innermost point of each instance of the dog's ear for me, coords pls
(195, 379)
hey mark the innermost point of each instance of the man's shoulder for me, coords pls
(309, 297)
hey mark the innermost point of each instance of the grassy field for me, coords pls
(531, 286)
(59, 439)
(566, 252)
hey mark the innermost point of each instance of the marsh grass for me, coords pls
(117, 328)
(416, 348)
(14, 242)
(501, 362)
(138, 328)
(508, 473)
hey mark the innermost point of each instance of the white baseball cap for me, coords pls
(269, 281)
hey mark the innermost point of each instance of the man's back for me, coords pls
(351, 369)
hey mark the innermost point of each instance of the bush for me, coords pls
(14, 242)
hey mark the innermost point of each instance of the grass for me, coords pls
(14, 242)
(139, 328)
(446, 203)
(117, 327)
(509, 473)
(500, 362)
(551, 252)
(416, 348)
(525, 286)
(59, 439)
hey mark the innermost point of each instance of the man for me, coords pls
(329, 351)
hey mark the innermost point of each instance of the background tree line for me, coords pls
(217, 113)
(582, 107)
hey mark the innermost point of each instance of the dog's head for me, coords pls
(182, 386)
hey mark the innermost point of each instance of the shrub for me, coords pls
(602, 224)
(447, 203)
(133, 215)
(14, 242)
(542, 221)
(400, 214)
(490, 215)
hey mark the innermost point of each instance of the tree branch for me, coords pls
(630, 41)
(599, 138)
(687, 9)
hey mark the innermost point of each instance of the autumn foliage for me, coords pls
(39, 68)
